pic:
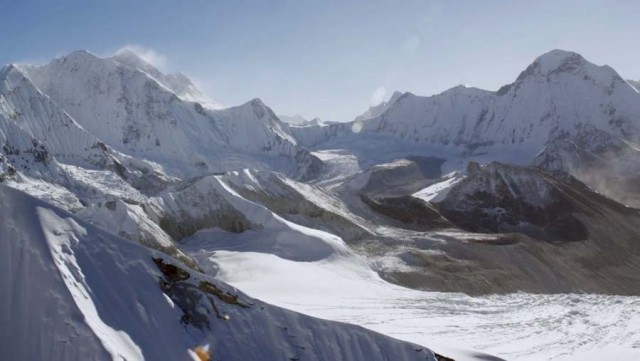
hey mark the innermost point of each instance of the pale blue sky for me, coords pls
(329, 58)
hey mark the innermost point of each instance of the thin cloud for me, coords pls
(411, 45)
(147, 54)
(379, 95)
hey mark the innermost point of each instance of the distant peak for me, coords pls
(554, 61)
(559, 53)
(396, 95)
(15, 69)
(80, 54)
(257, 107)
(458, 88)
(257, 102)
(558, 58)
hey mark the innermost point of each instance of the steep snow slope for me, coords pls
(32, 126)
(301, 203)
(73, 292)
(127, 220)
(211, 203)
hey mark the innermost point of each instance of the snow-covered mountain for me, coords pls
(557, 93)
(133, 108)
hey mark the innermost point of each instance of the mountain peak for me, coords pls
(126, 52)
(558, 54)
(559, 60)
(178, 83)
(79, 55)
(12, 71)
(555, 61)
(396, 94)
(131, 59)
(257, 102)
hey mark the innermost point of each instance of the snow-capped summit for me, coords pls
(376, 110)
(557, 60)
(179, 83)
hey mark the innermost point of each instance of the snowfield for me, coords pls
(523, 327)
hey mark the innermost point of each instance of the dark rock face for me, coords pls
(198, 301)
(501, 198)
(403, 176)
(413, 213)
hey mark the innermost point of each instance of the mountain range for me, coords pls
(120, 179)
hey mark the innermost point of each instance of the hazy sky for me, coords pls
(330, 59)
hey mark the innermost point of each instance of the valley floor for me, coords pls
(514, 327)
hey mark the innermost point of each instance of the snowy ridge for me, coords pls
(300, 121)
